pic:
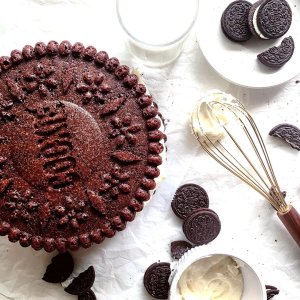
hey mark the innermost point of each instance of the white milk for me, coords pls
(157, 28)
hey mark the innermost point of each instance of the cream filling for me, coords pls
(255, 25)
(217, 277)
(208, 117)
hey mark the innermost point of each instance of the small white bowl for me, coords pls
(254, 288)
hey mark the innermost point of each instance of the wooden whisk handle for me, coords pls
(291, 221)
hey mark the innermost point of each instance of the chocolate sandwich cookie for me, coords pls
(289, 133)
(188, 198)
(276, 57)
(234, 21)
(270, 19)
(156, 280)
(202, 226)
(251, 17)
(178, 248)
(82, 283)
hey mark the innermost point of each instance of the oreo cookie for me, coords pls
(156, 280)
(289, 133)
(251, 17)
(178, 248)
(202, 226)
(82, 283)
(90, 295)
(188, 198)
(60, 269)
(234, 21)
(276, 57)
(270, 19)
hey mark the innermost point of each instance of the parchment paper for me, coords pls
(249, 224)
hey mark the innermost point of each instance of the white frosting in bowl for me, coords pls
(215, 277)
(214, 272)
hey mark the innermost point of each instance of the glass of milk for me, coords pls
(156, 29)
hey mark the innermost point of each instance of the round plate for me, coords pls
(237, 62)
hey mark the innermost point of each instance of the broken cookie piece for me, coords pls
(289, 133)
(276, 57)
(60, 269)
(82, 283)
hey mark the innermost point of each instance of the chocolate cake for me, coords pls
(79, 146)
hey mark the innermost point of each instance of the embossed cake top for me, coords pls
(79, 146)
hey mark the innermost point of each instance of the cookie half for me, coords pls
(276, 57)
(234, 21)
(178, 248)
(82, 283)
(289, 133)
(90, 295)
(60, 269)
(271, 18)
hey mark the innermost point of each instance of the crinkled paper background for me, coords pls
(249, 225)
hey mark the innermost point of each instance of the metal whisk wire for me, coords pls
(270, 190)
(256, 171)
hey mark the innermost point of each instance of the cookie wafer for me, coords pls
(271, 291)
(202, 226)
(90, 295)
(178, 248)
(82, 283)
(156, 280)
(60, 269)
(289, 133)
(188, 198)
(276, 57)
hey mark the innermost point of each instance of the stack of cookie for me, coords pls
(265, 19)
(201, 225)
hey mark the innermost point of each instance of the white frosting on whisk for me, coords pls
(208, 116)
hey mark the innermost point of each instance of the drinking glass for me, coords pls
(156, 29)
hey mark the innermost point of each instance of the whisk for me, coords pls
(228, 133)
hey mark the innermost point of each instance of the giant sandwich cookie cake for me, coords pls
(79, 146)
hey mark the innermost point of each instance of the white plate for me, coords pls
(237, 62)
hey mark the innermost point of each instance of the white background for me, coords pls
(249, 225)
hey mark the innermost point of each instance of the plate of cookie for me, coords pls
(255, 44)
